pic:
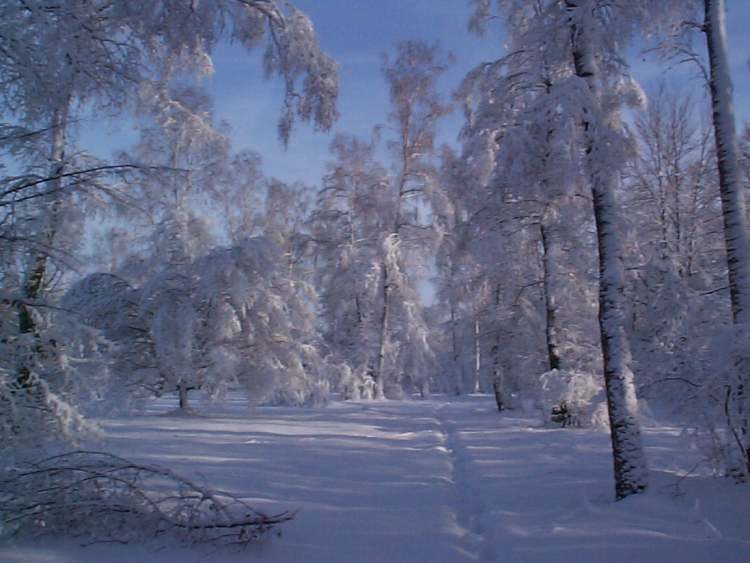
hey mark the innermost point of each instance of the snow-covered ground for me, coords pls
(435, 481)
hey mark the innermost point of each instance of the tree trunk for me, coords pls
(497, 387)
(34, 280)
(183, 391)
(736, 233)
(629, 461)
(457, 371)
(477, 355)
(458, 366)
(379, 371)
(498, 374)
(498, 381)
(630, 471)
(733, 205)
(550, 302)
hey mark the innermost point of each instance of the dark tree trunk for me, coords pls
(550, 300)
(379, 372)
(497, 387)
(183, 392)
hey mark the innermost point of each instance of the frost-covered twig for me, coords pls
(100, 497)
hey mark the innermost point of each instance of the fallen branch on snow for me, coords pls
(99, 497)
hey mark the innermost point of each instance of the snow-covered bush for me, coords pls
(264, 322)
(231, 318)
(721, 407)
(42, 382)
(570, 397)
(355, 384)
(109, 307)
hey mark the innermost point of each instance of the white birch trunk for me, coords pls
(630, 471)
(35, 278)
(34, 281)
(733, 204)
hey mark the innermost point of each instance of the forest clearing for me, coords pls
(439, 480)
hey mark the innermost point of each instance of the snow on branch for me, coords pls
(99, 497)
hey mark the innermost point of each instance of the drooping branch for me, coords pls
(100, 497)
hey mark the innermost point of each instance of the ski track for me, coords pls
(470, 510)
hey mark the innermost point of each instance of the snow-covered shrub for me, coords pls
(569, 397)
(232, 318)
(599, 417)
(355, 384)
(97, 497)
(722, 403)
(109, 308)
(305, 382)
(265, 322)
(42, 382)
(394, 390)
(33, 413)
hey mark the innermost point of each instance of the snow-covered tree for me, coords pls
(734, 213)
(709, 17)
(61, 60)
(734, 207)
(230, 318)
(676, 267)
(572, 52)
(256, 329)
(352, 211)
(403, 350)
(65, 62)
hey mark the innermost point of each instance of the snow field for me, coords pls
(427, 481)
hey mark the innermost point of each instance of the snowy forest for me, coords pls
(527, 341)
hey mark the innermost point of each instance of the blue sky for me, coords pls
(355, 33)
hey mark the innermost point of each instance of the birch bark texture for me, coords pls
(733, 204)
(631, 473)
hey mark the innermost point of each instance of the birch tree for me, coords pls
(734, 207)
(677, 273)
(585, 64)
(734, 211)
(60, 60)
(587, 23)
(685, 20)
(352, 211)
(63, 62)
(411, 77)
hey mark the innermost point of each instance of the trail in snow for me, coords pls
(470, 511)
(426, 481)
